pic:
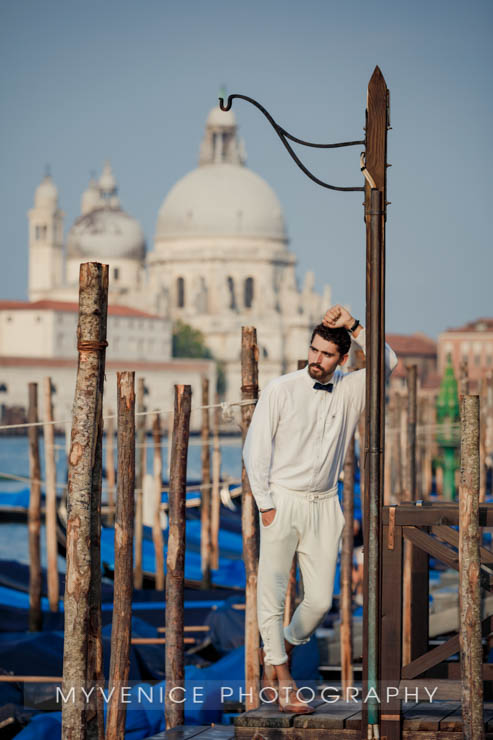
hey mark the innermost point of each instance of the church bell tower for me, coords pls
(45, 241)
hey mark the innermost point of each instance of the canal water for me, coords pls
(14, 459)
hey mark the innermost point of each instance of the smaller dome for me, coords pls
(106, 233)
(91, 198)
(46, 194)
(218, 118)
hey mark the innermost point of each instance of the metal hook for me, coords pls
(283, 135)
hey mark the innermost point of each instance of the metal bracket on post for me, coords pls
(391, 532)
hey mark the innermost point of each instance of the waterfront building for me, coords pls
(471, 343)
(414, 349)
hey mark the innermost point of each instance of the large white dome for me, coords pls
(106, 233)
(221, 199)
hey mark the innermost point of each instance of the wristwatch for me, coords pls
(354, 326)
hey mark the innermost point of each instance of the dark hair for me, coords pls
(340, 337)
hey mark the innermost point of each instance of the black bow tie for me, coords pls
(321, 387)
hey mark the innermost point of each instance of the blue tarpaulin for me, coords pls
(206, 691)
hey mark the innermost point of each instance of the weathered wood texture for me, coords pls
(464, 377)
(95, 673)
(416, 579)
(205, 493)
(469, 569)
(439, 720)
(404, 430)
(140, 470)
(50, 501)
(375, 404)
(175, 562)
(216, 480)
(110, 463)
(429, 421)
(412, 413)
(34, 514)
(84, 469)
(157, 532)
(249, 518)
(439, 513)
(346, 603)
(483, 470)
(121, 630)
(487, 421)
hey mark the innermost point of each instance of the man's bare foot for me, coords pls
(289, 700)
(268, 682)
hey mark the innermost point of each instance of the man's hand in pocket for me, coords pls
(268, 517)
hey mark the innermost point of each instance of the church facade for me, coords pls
(220, 261)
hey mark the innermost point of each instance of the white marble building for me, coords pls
(220, 260)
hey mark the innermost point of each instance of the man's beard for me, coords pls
(322, 378)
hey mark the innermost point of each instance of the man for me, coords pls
(294, 453)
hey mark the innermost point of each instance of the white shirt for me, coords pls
(298, 436)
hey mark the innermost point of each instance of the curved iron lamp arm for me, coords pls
(283, 135)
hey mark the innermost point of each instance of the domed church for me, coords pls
(220, 260)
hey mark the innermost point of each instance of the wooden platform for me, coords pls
(436, 721)
(423, 721)
(204, 732)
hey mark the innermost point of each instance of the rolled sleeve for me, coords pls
(390, 356)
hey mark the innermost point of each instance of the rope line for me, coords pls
(224, 406)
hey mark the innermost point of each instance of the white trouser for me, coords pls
(311, 525)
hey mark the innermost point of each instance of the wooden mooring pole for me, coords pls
(412, 412)
(50, 502)
(416, 579)
(95, 673)
(464, 377)
(429, 421)
(483, 471)
(216, 482)
(34, 514)
(377, 122)
(110, 464)
(140, 470)
(205, 494)
(121, 631)
(409, 494)
(249, 519)
(469, 569)
(157, 532)
(84, 469)
(175, 562)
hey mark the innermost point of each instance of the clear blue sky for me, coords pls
(134, 81)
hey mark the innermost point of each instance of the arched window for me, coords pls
(248, 292)
(232, 296)
(180, 292)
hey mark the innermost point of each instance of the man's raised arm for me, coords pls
(338, 316)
